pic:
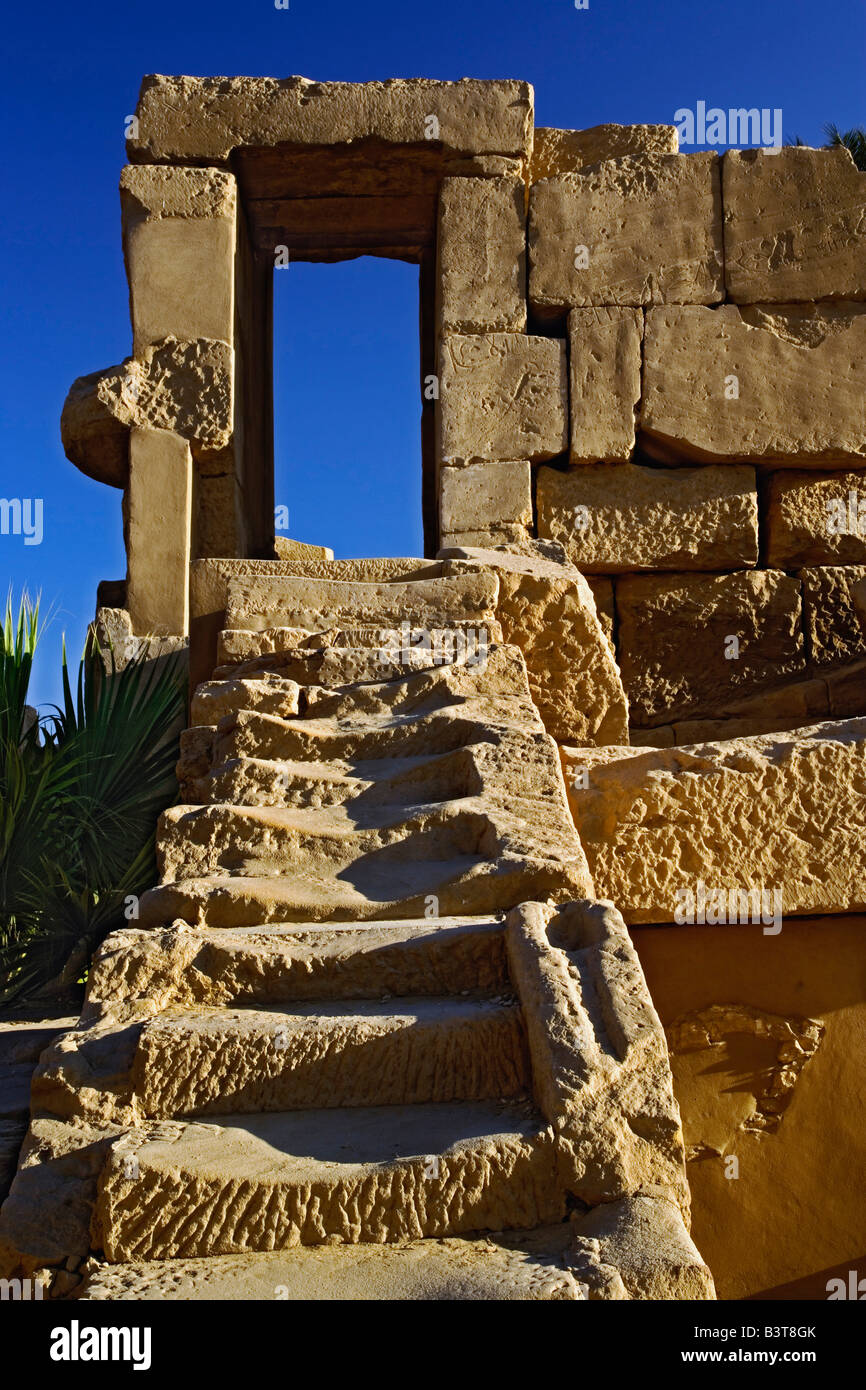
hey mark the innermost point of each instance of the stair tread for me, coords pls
(425, 1009)
(297, 1144)
(455, 1268)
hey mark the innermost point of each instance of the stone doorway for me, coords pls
(347, 449)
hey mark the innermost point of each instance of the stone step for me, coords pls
(458, 1269)
(261, 602)
(415, 648)
(323, 842)
(501, 671)
(328, 842)
(372, 889)
(517, 765)
(379, 782)
(266, 965)
(335, 667)
(215, 1061)
(304, 1177)
(270, 693)
(322, 740)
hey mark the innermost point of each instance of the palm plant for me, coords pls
(80, 793)
(854, 141)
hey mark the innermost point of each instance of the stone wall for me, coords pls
(684, 411)
(653, 358)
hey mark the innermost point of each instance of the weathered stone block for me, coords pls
(846, 685)
(637, 230)
(613, 518)
(502, 396)
(287, 549)
(760, 384)
(159, 510)
(753, 1236)
(602, 591)
(605, 364)
(772, 812)
(200, 119)
(816, 519)
(185, 388)
(833, 626)
(569, 151)
(481, 249)
(691, 644)
(179, 245)
(507, 534)
(795, 225)
(485, 495)
(546, 608)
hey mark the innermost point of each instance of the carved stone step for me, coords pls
(263, 601)
(337, 960)
(206, 1062)
(383, 1173)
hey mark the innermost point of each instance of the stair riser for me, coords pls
(214, 841)
(257, 737)
(258, 782)
(164, 1212)
(219, 968)
(182, 1072)
(467, 887)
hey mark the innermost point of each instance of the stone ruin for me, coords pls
(384, 1028)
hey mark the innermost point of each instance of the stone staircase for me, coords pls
(371, 1037)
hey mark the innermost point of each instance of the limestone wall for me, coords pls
(653, 358)
(684, 411)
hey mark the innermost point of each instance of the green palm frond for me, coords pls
(79, 801)
(853, 140)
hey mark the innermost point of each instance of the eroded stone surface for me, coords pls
(778, 1049)
(635, 230)
(547, 609)
(176, 222)
(795, 225)
(502, 396)
(765, 384)
(569, 151)
(182, 387)
(205, 118)
(776, 812)
(690, 644)
(604, 372)
(816, 519)
(616, 518)
(834, 631)
(481, 248)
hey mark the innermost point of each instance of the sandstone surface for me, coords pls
(642, 229)
(613, 519)
(766, 384)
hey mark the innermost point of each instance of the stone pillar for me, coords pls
(159, 528)
(484, 491)
(179, 235)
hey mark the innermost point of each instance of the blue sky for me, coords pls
(345, 349)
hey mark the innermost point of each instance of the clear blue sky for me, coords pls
(346, 351)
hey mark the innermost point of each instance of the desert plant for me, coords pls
(854, 141)
(80, 793)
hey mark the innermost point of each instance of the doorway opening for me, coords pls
(347, 408)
